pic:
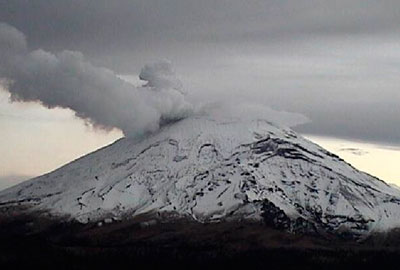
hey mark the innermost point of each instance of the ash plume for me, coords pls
(95, 94)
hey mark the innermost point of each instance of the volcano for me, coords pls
(215, 169)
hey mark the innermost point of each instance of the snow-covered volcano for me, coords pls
(213, 169)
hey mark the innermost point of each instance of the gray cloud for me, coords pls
(337, 62)
(95, 94)
(354, 151)
(131, 26)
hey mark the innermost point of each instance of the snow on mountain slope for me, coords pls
(212, 170)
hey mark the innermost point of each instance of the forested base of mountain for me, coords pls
(28, 242)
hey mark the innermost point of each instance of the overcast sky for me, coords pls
(335, 61)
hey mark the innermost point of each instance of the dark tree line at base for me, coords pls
(30, 242)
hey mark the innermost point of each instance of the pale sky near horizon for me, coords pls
(336, 62)
(378, 160)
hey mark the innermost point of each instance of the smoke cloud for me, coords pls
(95, 94)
